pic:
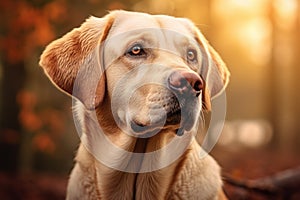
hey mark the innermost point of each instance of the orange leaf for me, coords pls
(44, 143)
(30, 121)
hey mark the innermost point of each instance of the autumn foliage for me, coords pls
(26, 26)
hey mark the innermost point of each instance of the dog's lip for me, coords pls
(138, 126)
(184, 122)
(143, 128)
(176, 112)
(174, 121)
(149, 131)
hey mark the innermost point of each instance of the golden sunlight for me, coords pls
(249, 24)
(286, 13)
(258, 43)
(246, 133)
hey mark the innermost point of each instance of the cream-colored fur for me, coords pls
(105, 41)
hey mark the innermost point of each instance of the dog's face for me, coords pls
(154, 72)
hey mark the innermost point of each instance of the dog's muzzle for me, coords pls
(186, 86)
(181, 107)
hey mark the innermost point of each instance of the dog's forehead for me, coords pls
(179, 25)
(129, 21)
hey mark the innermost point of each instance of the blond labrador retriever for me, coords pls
(140, 82)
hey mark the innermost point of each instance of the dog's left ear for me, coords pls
(213, 69)
(73, 64)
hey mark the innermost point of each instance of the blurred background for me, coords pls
(258, 39)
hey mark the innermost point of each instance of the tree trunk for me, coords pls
(13, 78)
(283, 88)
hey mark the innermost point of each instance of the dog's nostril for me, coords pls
(198, 87)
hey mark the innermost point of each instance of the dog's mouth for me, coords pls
(179, 116)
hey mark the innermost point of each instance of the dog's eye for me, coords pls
(136, 50)
(191, 55)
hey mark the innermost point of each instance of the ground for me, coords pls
(246, 164)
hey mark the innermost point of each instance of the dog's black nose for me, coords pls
(184, 82)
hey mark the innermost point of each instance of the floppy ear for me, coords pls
(213, 69)
(218, 74)
(73, 62)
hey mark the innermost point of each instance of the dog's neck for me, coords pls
(111, 178)
(102, 161)
(111, 183)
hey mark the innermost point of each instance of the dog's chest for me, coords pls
(120, 185)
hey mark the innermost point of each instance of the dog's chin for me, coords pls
(174, 122)
(146, 130)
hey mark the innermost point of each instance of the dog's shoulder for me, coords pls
(82, 180)
(198, 176)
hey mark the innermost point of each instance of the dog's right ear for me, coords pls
(214, 70)
(73, 62)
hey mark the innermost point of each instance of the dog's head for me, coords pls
(153, 71)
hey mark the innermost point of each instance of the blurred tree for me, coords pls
(13, 32)
(26, 27)
(284, 69)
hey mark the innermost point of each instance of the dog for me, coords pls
(139, 84)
